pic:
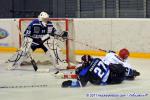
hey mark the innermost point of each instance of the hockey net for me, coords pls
(66, 47)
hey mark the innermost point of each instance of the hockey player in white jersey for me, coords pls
(112, 58)
(37, 33)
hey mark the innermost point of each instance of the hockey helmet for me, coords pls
(124, 53)
(86, 58)
(43, 16)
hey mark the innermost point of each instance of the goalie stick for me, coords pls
(33, 63)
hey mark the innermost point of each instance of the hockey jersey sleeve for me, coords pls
(57, 32)
(28, 32)
(112, 58)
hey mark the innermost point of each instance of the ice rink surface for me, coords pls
(48, 87)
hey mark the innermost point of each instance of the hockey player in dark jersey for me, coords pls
(37, 33)
(93, 70)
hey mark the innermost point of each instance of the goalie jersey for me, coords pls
(37, 29)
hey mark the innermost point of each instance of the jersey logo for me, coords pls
(36, 29)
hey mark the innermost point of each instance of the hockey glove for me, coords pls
(66, 84)
(132, 74)
(136, 73)
(70, 83)
(64, 34)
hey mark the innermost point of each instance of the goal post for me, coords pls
(61, 24)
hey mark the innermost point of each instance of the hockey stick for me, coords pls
(32, 60)
(85, 44)
(79, 42)
(33, 63)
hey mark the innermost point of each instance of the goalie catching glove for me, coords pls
(64, 34)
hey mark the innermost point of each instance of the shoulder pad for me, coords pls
(35, 21)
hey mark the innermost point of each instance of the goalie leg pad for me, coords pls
(52, 57)
(19, 57)
(55, 55)
(22, 53)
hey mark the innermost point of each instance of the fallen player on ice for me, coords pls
(95, 71)
(120, 58)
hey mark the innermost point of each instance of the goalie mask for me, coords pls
(124, 53)
(43, 16)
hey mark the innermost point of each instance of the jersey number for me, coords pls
(28, 32)
(98, 71)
